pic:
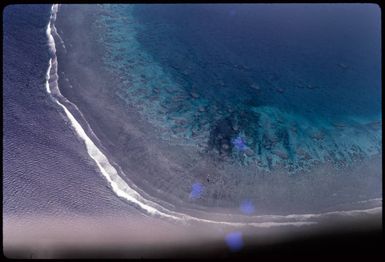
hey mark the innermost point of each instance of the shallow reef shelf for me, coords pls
(236, 128)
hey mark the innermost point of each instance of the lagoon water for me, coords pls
(297, 83)
(279, 105)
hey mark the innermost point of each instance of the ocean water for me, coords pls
(249, 101)
(287, 86)
(281, 102)
(46, 169)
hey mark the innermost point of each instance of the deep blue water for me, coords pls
(46, 169)
(281, 46)
(298, 84)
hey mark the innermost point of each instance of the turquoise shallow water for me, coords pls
(287, 85)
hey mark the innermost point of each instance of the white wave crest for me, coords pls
(47, 76)
(51, 40)
(54, 30)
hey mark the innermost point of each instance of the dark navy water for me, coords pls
(274, 46)
(297, 84)
(46, 169)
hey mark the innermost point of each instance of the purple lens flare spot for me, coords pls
(239, 143)
(196, 190)
(247, 207)
(234, 241)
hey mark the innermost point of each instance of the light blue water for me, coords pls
(298, 84)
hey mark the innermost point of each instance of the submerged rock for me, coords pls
(221, 134)
(225, 146)
(266, 142)
(342, 65)
(152, 98)
(309, 86)
(170, 90)
(318, 135)
(249, 152)
(281, 154)
(180, 120)
(194, 133)
(274, 138)
(202, 109)
(339, 125)
(178, 98)
(303, 154)
(255, 86)
(375, 125)
(194, 95)
(177, 130)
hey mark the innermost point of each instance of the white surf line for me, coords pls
(51, 40)
(47, 76)
(371, 200)
(58, 36)
(123, 190)
(109, 172)
(370, 211)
